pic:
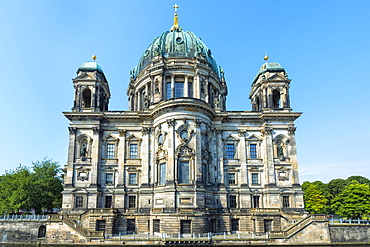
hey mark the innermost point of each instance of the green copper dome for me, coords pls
(176, 43)
(269, 67)
(90, 66)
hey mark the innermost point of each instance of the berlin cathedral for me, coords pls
(177, 161)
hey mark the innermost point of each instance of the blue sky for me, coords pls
(323, 45)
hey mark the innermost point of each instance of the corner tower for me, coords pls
(270, 89)
(91, 88)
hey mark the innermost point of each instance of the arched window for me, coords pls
(86, 98)
(258, 104)
(276, 99)
(42, 232)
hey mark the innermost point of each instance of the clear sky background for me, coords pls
(323, 45)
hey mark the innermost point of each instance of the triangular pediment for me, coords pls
(277, 77)
(230, 138)
(110, 138)
(254, 137)
(85, 76)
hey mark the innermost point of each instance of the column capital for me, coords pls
(72, 130)
(97, 130)
(122, 132)
(291, 130)
(171, 122)
(266, 130)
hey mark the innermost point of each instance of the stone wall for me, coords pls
(349, 233)
(20, 231)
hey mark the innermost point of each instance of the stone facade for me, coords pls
(177, 161)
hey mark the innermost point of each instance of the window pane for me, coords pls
(131, 228)
(190, 90)
(286, 202)
(109, 178)
(132, 178)
(156, 225)
(232, 200)
(100, 225)
(185, 226)
(168, 90)
(253, 151)
(231, 178)
(256, 202)
(132, 201)
(255, 178)
(79, 201)
(133, 151)
(230, 151)
(179, 89)
(184, 172)
(234, 224)
(162, 174)
(110, 151)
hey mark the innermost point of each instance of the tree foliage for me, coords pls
(353, 201)
(26, 189)
(346, 197)
(315, 197)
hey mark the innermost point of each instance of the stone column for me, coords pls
(186, 86)
(71, 156)
(171, 166)
(293, 155)
(243, 159)
(269, 156)
(121, 156)
(172, 86)
(95, 153)
(264, 98)
(220, 156)
(270, 103)
(197, 175)
(145, 151)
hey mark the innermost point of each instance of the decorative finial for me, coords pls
(175, 19)
(94, 57)
(266, 57)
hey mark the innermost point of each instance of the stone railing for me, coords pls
(265, 211)
(36, 217)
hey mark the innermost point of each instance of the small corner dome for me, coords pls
(90, 66)
(176, 43)
(269, 67)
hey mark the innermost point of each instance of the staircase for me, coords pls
(81, 230)
(298, 226)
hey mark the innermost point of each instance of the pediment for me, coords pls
(278, 77)
(133, 138)
(110, 138)
(230, 138)
(85, 76)
(254, 137)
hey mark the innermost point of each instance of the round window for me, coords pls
(178, 40)
(184, 134)
(160, 139)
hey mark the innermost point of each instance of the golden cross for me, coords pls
(175, 7)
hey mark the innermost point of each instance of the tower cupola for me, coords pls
(270, 88)
(91, 88)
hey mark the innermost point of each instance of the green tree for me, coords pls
(14, 187)
(315, 197)
(47, 186)
(23, 189)
(359, 179)
(336, 186)
(353, 201)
